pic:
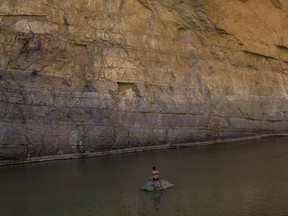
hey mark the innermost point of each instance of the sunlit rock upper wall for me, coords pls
(92, 75)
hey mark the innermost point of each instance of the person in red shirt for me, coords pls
(156, 179)
(155, 174)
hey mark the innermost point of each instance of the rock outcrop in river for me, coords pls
(92, 75)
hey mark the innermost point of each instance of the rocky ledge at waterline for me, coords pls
(87, 76)
(156, 185)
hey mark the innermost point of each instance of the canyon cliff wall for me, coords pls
(93, 75)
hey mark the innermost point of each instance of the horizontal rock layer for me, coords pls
(91, 75)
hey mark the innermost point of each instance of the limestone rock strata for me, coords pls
(92, 75)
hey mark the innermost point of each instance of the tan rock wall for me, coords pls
(91, 75)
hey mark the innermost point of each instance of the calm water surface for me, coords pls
(243, 178)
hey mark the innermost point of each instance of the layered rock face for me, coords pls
(92, 75)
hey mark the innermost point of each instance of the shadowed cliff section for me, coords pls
(91, 75)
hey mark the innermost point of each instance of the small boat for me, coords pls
(156, 185)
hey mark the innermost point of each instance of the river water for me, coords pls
(241, 178)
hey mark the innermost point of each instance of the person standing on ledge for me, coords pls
(156, 178)
(155, 174)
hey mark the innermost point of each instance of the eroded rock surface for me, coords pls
(156, 185)
(91, 75)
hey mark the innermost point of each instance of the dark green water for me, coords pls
(243, 178)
